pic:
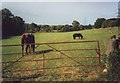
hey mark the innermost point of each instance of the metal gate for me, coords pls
(44, 59)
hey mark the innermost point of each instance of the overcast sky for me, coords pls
(59, 0)
(62, 12)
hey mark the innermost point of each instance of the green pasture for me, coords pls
(82, 72)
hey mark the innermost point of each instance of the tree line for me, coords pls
(56, 28)
(104, 23)
(15, 25)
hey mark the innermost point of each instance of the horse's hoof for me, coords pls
(22, 54)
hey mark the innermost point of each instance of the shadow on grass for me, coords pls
(11, 64)
(25, 77)
(43, 51)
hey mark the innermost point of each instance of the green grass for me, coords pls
(102, 35)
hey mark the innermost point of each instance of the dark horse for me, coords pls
(29, 40)
(77, 35)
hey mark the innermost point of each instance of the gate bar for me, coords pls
(2, 45)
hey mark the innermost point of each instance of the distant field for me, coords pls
(102, 35)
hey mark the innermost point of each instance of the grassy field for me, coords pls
(85, 73)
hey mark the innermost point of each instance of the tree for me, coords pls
(59, 27)
(65, 28)
(105, 24)
(39, 28)
(118, 22)
(32, 28)
(54, 27)
(46, 28)
(18, 25)
(112, 22)
(6, 23)
(76, 25)
(11, 25)
(98, 23)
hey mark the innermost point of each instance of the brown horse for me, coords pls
(29, 40)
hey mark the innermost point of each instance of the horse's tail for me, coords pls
(22, 44)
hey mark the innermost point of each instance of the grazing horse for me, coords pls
(29, 40)
(77, 35)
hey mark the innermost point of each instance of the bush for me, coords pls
(114, 65)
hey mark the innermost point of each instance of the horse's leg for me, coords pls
(30, 49)
(22, 50)
(73, 37)
(33, 43)
(81, 37)
(22, 42)
(27, 46)
(33, 47)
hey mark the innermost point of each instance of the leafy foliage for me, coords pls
(76, 25)
(99, 22)
(32, 28)
(111, 22)
(114, 65)
(11, 25)
(104, 23)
